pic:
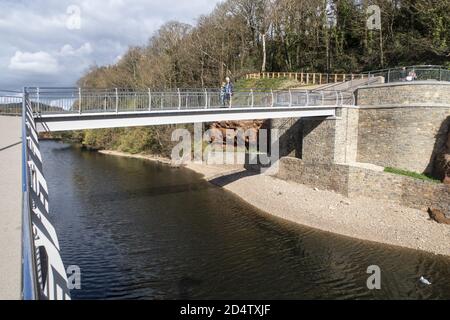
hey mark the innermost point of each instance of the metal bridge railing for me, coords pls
(412, 73)
(10, 103)
(84, 101)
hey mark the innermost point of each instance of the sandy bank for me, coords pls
(362, 218)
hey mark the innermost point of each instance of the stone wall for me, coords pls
(421, 93)
(320, 140)
(354, 181)
(403, 126)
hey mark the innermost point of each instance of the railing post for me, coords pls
(337, 98)
(179, 99)
(79, 100)
(149, 100)
(38, 102)
(389, 76)
(290, 98)
(342, 98)
(117, 100)
(323, 98)
(273, 98)
(252, 98)
(307, 97)
(206, 99)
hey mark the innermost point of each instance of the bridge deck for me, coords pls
(10, 207)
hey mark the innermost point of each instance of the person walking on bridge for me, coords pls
(228, 92)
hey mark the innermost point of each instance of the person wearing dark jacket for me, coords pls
(228, 92)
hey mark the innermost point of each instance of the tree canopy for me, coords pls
(242, 36)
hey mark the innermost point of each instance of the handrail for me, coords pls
(84, 101)
(413, 66)
(43, 272)
(29, 278)
(412, 73)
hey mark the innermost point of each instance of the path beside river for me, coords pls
(362, 218)
(11, 207)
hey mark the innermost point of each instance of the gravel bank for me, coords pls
(363, 218)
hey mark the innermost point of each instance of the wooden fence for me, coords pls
(307, 78)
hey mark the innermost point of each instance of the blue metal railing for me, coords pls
(43, 273)
(29, 278)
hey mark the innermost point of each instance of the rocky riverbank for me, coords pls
(362, 218)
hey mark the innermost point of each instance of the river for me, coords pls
(143, 230)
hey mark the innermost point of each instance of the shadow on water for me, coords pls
(142, 230)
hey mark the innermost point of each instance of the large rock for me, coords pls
(439, 216)
(238, 125)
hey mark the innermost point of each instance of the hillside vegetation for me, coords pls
(241, 36)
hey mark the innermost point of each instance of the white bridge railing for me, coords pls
(83, 101)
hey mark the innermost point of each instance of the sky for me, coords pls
(54, 42)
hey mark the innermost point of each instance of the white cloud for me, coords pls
(35, 34)
(37, 62)
(68, 50)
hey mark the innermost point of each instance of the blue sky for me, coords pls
(53, 42)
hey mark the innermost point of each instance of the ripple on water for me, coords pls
(141, 230)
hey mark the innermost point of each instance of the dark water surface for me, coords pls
(141, 230)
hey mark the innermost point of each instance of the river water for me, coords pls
(142, 230)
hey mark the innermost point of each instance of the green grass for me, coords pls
(411, 174)
(266, 84)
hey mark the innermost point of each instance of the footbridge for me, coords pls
(61, 109)
(43, 274)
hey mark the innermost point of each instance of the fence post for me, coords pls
(389, 76)
(117, 101)
(179, 99)
(149, 100)
(337, 98)
(206, 99)
(79, 100)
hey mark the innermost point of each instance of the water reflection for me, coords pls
(142, 230)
